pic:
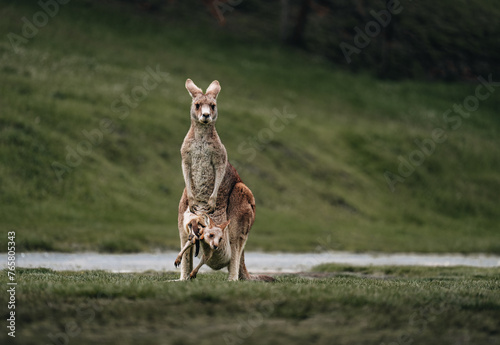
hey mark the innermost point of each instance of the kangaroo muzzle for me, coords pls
(206, 114)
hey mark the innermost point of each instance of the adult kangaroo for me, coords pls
(213, 185)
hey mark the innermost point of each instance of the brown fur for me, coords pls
(213, 184)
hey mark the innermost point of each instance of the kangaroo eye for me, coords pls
(213, 106)
(211, 235)
(197, 106)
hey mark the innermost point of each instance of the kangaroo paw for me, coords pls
(177, 262)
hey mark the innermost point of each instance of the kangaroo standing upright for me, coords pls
(213, 184)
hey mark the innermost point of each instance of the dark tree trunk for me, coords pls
(297, 36)
(285, 18)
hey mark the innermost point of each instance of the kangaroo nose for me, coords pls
(205, 115)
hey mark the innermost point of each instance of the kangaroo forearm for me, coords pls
(188, 245)
(178, 260)
(220, 171)
(186, 171)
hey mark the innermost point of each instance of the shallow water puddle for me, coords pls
(255, 261)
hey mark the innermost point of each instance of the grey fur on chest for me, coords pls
(199, 156)
(203, 156)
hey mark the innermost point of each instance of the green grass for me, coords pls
(334, 304)
(321, 176)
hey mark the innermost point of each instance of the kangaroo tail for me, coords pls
(244, 275)
(262, 278)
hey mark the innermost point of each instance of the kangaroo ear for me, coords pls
(212, 223)
(193, 89)
(224, 226)
(213, 89)
(206, 219)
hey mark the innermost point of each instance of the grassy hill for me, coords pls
(89, 153)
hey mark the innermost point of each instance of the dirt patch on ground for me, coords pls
(323, 275)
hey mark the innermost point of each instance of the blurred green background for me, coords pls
(90, 154)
